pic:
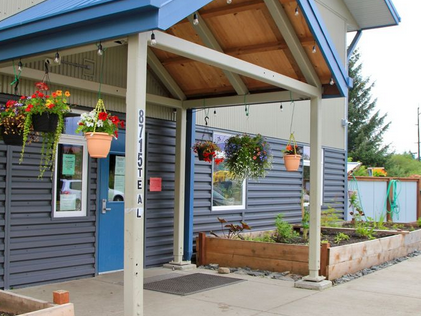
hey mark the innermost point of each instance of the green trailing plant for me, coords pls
(339, 237)
(247, 156)
(284, 230)
(40, 103)
(234, 231)
(330, 217)
(419, 222)
(305, 222)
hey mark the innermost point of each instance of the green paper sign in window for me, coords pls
(69, 162)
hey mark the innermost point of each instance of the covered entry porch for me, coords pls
(214, 62)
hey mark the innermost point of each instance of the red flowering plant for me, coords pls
(208, 150)
(37, 104)
(98, 120)
(292, 148)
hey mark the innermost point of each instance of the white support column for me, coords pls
(180, 172)
(135, 177)
(315, 189)
(314, 280)
(180, 180)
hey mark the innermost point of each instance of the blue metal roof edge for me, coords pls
(393, 11)
(72, 29)
(314, 21)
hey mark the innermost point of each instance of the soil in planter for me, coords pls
(329, 235)
(390, 226)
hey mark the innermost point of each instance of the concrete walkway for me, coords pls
(395, 291)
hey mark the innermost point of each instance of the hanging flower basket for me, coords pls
(14, 139)
(99, 128)
(207, 150)
(45, 122)
(247, 156)
(99, 144)
(292, 155)
(12, 119)
(45, 112)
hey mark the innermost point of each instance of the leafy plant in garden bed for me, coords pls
(247, 156)
(234, 231)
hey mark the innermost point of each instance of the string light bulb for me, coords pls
(331, 82)
(57, 58)
(20, 65)
(195, 19)
(214, 112)
(314, 50)
(153, 39)
(281, 107)
(229, 1)
(100, 50)
(296, 11)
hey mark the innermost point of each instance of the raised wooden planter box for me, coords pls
(334, 261)
(256, 255)
(25, 306)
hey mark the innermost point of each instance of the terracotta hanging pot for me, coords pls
(292, 162)
(45, 122)
(99, 144)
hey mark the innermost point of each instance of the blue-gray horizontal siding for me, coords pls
(43, 249)
(334, 180)
(279, 192)
(159, 214)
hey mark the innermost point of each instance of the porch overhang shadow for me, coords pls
(256, 48)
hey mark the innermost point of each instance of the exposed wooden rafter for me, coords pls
(209, 40)
(288, 33)
(164, 76)
(211, 57)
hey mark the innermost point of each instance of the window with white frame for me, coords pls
(227, 194)
(71, 174)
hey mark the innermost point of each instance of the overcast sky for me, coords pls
(391, 57)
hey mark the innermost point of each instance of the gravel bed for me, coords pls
(353, 276)
(287, 276)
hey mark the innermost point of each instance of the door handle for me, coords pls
(105, 209)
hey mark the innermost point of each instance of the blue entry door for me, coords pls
(111, 207)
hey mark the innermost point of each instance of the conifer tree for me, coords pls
(365, 131)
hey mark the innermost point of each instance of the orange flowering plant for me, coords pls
(37, 104)
(292, 150)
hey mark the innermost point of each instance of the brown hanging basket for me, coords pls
(99, 144)
(292, 162)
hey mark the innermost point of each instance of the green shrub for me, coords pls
(284, 230)
(340, 237)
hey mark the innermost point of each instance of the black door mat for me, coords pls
(190, 284)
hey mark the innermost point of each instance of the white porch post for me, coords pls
(180, 162)
(135, 177)
(315, 189)
(314, 280)
(180, 182)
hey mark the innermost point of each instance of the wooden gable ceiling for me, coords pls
(244, 29)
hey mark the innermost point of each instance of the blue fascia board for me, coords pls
(77, 35)
(354, 43)
(109, 11)
(319, 31)
(393, 11)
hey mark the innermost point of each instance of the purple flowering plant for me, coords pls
(247, 156)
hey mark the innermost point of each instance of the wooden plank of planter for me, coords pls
(59, 310)
(256, 249)
(363, 249)
(339, 269)
(324, 260)
(261, 263)
(201, 248)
